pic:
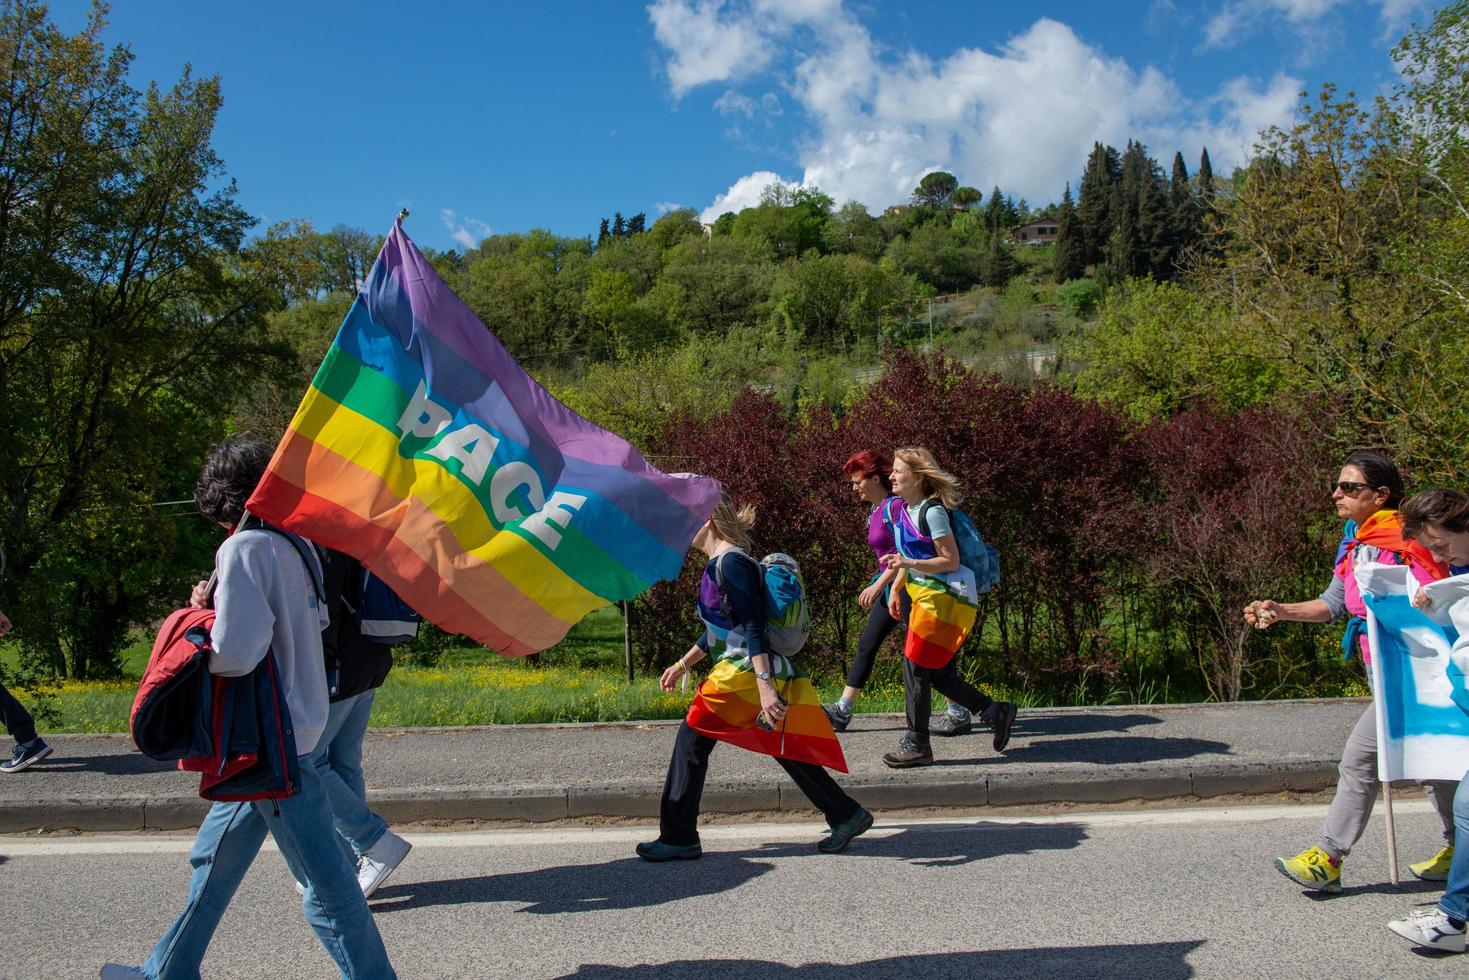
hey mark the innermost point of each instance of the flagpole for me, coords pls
(1392, 835)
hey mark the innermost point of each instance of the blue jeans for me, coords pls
(338, 761)
(227, 842)
(1455, 901)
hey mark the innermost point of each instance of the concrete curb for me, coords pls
(532, 803)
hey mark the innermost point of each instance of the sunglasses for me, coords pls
(1348, 487)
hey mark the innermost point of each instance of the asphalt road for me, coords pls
(1168, 893)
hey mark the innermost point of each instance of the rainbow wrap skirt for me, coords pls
(727, 702)
(942, 614)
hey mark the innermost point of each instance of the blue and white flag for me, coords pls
(1419, 658)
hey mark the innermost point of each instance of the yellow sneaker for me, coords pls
(1435, 868)
(1312, 868)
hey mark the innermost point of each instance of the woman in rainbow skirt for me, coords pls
(752, 698)
(937, 599)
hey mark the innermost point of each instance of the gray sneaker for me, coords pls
(947, 723)
(839, 717)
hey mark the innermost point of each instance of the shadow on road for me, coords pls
(1107, 749)
(632, 883)
(134, 764)
(1079, 723)
(1156, 960)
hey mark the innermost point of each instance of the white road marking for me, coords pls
(32, 846)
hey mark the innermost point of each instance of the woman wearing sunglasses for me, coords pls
(1367, 494)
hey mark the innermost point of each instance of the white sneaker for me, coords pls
(1430, 927)
(379, 862)
(300, 889)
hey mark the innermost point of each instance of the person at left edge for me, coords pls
(30, 748)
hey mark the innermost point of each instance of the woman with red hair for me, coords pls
(870, 473)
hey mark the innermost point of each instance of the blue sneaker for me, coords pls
(656, 850)
(26, 755)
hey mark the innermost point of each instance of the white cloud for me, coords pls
(1022, 116)
(1238, 17)
(732, 103)
(468, 232)
(663, 207)
(744, 193)
(706, 45)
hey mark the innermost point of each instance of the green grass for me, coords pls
(582, 679)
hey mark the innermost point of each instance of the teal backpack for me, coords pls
(787, 618)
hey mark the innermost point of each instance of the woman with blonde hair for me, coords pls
(752, 698)
(937, 598)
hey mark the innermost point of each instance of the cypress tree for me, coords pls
(1068, 261)
(1183, 211)
(1094, 204)
(999, 266)
(1206, 181)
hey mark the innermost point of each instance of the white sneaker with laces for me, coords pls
(380, 860)
(1430, 927)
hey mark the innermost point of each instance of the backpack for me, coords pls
(236, 730)
(787, 618)
(975, 553)
(381, 616)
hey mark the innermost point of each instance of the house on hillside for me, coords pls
(1036, 233)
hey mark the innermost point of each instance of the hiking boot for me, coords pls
(1312, 868)
(949, 724)
(909, 753)
(1001, 716)
(856, 825)
(839, 717)
(1430, 927)
(656, 850)
(379, 861)
(1435, 868)
(26, 755)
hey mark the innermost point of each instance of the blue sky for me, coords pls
(490, 117)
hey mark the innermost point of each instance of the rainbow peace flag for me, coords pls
(424, 450)
(943, 613)
(728, 701)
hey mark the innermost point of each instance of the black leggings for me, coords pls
(879, 625)
(678, 821)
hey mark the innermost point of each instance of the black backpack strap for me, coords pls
(304, 548)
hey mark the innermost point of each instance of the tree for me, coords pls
(1206, 180)
(1000, 214)
(619, 227)
(1095, 200)
(129, 323)
(965, 197)
(1183, 212)
(999, 264)
(603, 232)
(1069, 259)
(637, 223)
(852, 230)
(935, 189)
